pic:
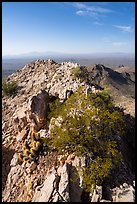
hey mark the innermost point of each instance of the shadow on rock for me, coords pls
(77, 193)
(7, 155)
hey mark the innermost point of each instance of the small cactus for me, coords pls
(33, 151)
(26, 145)
(30, 150)
(38, 145)
(26, 152)
(33, 136)
(25, 159)
(33, 144)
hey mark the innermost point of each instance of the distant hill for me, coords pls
(13, 62)
(120, 84)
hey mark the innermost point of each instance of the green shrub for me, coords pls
(8, 88)
(89, 125)
(96, 172)
(76, 72)
(53, 106)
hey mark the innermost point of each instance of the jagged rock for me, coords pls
(12, 179)
(19, 118)
(55, 198)
(99, 191)
(75, 175)
(44, 194)
(51, 61)
(95, 197)
(61, 159)
(64, 183)
(14, 160)
(3, 126)
(20, 113)
(22, 135)
(125, 194)
(96, 194)
(76, 179)
(125, 185)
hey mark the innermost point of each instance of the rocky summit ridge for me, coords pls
(25, 122)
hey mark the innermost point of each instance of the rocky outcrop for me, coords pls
(12, 180)
(39, 107)
(33, 114)
(44, 194)
(124, 193)
(63, 184)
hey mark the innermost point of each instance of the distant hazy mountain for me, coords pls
(60, 54)
(10, 63)
(34, 54)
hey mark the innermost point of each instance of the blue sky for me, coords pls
(68, 27)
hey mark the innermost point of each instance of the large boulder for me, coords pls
(39, 107)
(39, 104)
(32, 115)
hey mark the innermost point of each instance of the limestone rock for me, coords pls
(22, 135)
(126, 194)
(76, 179)
(44, 194)
(20, 113)
(14, 160)
(12, 179)
(95, 197)
(64, 183)
(55, 198)
(99, 191)
(19, 118)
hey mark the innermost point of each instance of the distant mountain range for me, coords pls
(61, 54)
(10, 63)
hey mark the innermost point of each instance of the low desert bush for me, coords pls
(9, 88)
(89, 125)
(76, 72)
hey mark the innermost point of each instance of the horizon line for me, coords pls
(58, 52)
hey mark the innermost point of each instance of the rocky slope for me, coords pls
(120, 84)
(48, 178)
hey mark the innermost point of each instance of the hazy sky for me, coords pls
(68, 27)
